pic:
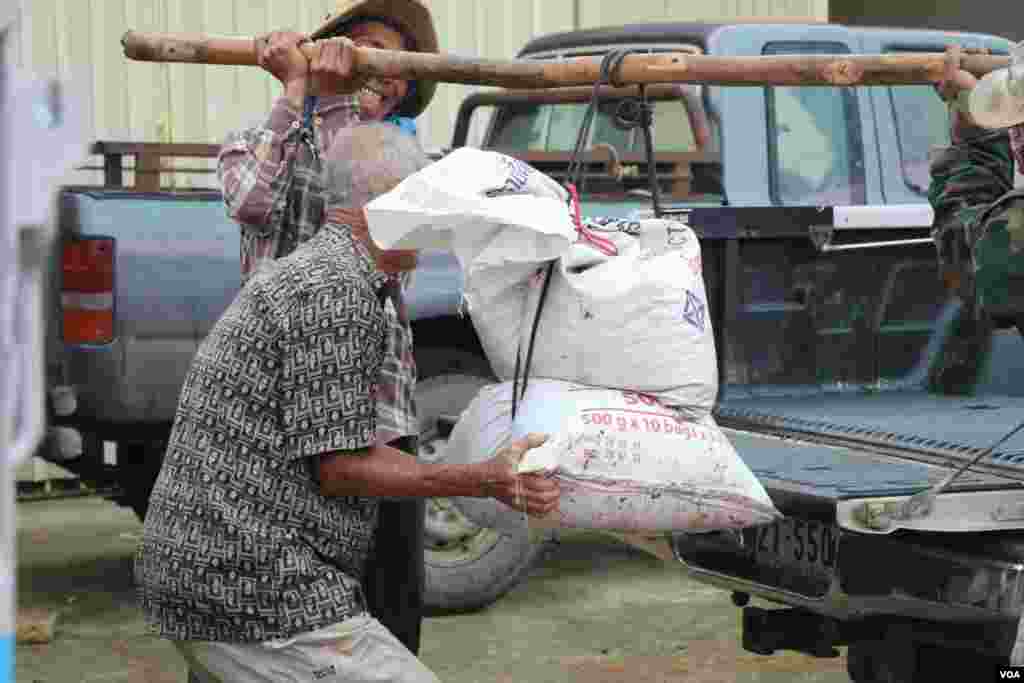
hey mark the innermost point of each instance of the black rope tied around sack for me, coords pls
(631, 113)
(516, 396)
(646, 122)
(574, 178)
(610, 65)
(639, 113)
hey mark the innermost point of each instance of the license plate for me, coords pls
(796, 545)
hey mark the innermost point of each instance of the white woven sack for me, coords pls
(624, 462)
(491, 210)
(637, 320)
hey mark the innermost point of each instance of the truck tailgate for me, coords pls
(176, 271)
(832, 447)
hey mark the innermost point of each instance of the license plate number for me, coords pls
(801, 545)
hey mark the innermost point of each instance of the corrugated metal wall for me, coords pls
(79, 39)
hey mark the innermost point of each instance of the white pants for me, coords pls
(358, 650)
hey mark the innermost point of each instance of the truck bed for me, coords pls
(840, 446)
(832, 445)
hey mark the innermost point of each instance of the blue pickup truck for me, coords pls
(831, 325)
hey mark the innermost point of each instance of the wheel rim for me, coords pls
(450, 538)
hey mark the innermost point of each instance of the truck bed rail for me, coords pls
(149, 161)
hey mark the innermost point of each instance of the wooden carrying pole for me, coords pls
(673, 67)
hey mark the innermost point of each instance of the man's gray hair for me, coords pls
(368, 160)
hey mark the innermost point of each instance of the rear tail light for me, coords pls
(87, 291)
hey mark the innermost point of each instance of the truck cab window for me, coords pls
(565, 126)
(522, 127)
(813, 138)
(922, 125)
(553, 128)
(683, 132)
(672, 130)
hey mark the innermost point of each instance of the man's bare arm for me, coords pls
(954, 89)
(385, 472)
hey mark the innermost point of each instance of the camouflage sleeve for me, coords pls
(967, 178)
(252, 167)
(998, 256)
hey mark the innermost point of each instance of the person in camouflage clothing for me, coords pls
(978, 230)
(979, 214)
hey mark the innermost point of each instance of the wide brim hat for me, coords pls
(412, 17)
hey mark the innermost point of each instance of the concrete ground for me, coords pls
(594, 611)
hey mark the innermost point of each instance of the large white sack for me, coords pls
(490, 209)
(624, 462)
(635, 320)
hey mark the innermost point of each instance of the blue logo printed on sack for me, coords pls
(694, 310)
(518, 174)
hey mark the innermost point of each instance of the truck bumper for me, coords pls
(974, 582)
(131, 381)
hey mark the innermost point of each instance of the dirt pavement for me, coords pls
(594, 611)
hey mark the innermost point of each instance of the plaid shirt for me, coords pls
(270, 177)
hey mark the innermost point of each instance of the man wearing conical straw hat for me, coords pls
(270, 174)
(979, 227)
(273, 187)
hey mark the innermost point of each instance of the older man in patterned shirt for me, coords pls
(271, 176)
(262, 517)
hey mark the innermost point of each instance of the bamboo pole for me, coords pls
(674, 67)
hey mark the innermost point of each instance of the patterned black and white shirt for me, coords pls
(239, 545)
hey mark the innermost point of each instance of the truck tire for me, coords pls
(882, 662)
(903, 661)
(467, 567)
